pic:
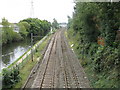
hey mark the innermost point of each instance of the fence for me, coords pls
(22, 61)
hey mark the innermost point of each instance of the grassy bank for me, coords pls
(25, 71)
(16, 75)
(99, 63)
(15, 62)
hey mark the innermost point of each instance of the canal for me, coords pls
(13, 51)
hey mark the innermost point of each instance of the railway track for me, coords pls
(59, 67)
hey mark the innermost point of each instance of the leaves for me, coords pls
(8, 35)
(91, 21)
(36, 26)
(55, 24)
(10, 77)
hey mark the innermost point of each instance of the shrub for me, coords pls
(10, 77)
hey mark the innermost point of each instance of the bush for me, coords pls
(91, 21)
(10, 77)
(17, 37)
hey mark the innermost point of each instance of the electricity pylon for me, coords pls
(32, 10)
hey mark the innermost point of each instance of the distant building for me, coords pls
(63, 24)
(1, 26)
(16, 28)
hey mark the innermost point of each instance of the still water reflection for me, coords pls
(13, 51)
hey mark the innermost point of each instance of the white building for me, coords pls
(63, 24)
(15, 28)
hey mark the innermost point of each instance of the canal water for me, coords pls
(13, 51)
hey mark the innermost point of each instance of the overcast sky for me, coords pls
(16, 10)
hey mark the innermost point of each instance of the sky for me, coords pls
(16, 10)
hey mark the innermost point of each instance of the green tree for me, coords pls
(24, 27)
(37, 26)
(85, 21)
(69, 25)
(55, 24)
(7, 31)
(8, 35)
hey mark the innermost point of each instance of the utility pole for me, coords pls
(32, 36)
(1, 54)
(32, 46)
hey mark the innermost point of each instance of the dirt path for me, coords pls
(59, 67)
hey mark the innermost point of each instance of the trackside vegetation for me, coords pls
(90, 22)
(30, 64)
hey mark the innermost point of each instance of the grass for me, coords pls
(21, 57)
(25, 71)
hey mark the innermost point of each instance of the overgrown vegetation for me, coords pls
(91, 21)
(10, 77)
(26, 27)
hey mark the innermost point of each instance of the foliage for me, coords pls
(23, 26)
(69, 25)
(25, 71)
(109, 22)
(90, 21)
(10, 77)
(26, 27)
(37, 26)
(55, 24)
(17, 37)
(8, 35)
